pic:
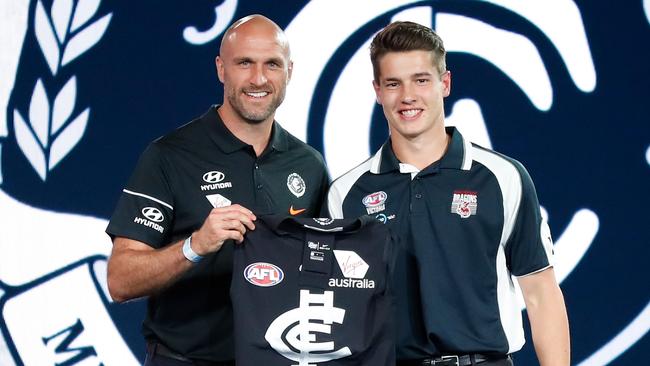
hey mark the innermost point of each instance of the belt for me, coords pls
(154, 348)
(452, 360)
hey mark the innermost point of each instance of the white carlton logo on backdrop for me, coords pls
(53, 294)
(352, 100)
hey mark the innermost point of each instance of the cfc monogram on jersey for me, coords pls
(313, 292)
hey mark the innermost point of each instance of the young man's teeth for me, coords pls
(410, 112)
(257, 95)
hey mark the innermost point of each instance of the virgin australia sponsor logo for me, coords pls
(354, 268)
(215, 178)
(351, 283)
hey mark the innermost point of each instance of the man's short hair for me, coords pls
(407, 36)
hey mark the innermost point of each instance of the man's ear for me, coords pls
(219, 64)
(377, 88)
(445, 79)
(290, 70)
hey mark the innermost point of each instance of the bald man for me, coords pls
(196, 192)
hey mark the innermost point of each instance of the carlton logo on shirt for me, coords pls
(215, 178)
(296, 184)
(324, 221)
(294, 334)
(263, 274)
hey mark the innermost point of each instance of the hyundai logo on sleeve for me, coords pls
(153, 214)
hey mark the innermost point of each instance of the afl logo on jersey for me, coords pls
(263, 274)
(374, 202)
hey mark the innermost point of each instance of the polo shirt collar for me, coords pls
(229, 143)
(458, 155)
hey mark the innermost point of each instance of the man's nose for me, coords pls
(408, 95)
(258, 76)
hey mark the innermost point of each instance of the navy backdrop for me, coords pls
(562, 86)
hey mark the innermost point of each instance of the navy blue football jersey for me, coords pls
(312, 292)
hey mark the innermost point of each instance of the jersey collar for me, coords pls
(229, 143)
(458, 155)
(295, 226)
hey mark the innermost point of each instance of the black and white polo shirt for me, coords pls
(464, 226)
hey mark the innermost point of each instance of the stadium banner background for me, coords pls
(563, 86)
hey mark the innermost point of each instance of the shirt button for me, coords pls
(257, 166)
(417, 195)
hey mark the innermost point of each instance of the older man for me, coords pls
(195, 193)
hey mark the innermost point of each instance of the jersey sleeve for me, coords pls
(530, 247)
(145, 210)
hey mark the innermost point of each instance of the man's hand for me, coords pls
(230, 222)
(135, 269)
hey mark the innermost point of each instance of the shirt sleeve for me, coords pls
(145, 210)
(530, 246)
(332, 206)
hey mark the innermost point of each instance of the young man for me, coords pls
(195, 193)
(466, 218)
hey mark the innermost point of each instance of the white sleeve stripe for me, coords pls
(536, 271)
(148, 197)
(467, 155)
(376, 161)
(509, 183)
(341, 187)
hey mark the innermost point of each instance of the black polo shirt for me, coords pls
(465, 225)
(313, 292)
(180, 177)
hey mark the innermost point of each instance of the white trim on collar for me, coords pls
(375, 163)
(467, 154)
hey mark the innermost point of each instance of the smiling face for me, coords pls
(411, 92)
(255, 68)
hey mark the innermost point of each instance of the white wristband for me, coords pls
(189, 253)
